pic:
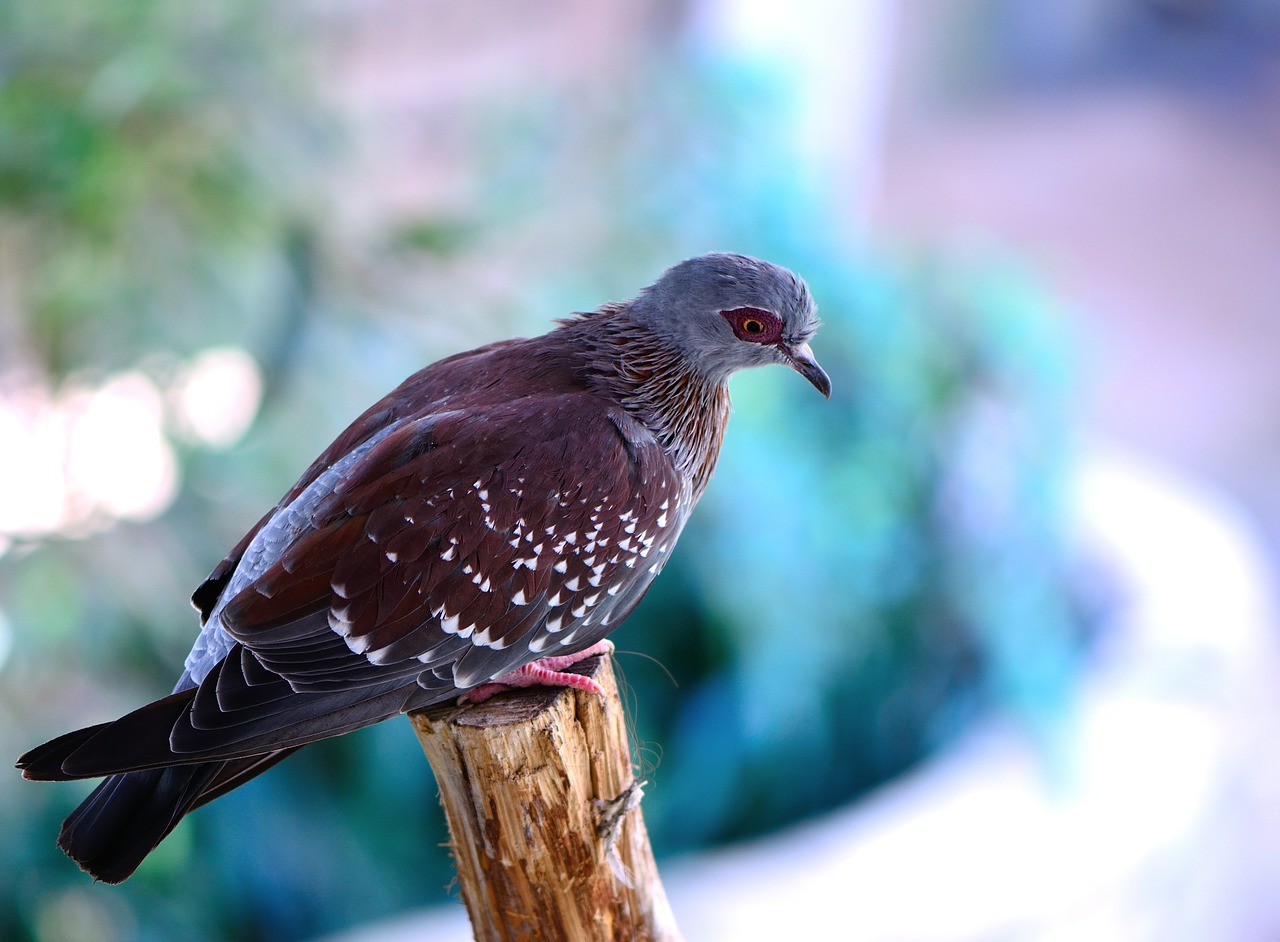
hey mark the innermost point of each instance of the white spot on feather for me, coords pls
(486, 639)
(560, 566)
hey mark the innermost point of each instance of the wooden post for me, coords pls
(544, 816)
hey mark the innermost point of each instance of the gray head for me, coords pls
(725, 312)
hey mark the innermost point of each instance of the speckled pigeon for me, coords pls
(485, 525)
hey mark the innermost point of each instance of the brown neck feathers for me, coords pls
(658, 386)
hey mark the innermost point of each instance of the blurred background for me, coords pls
(1013, 673)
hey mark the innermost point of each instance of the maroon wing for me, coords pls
(432, 385)
(460, 547)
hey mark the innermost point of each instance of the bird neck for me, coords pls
(657, 385)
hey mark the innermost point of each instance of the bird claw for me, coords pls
(544, 672)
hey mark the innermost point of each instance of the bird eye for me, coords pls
(754, 325)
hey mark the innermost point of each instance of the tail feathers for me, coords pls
(44, 763)
(235, 772)
(133, 810)
(138, 740)
(166, 733)
(125, 817)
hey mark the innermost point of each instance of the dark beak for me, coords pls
(802, 362)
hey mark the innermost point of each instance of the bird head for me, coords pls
(726, 312)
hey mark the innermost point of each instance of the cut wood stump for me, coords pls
(544, 817)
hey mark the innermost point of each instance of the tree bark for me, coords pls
(544, 816)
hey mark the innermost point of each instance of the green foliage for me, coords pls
(135, 203)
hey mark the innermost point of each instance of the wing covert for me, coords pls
(461, 553)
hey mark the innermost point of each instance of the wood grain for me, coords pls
(544, 818)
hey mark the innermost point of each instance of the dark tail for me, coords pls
(126, 816)
(150, 786)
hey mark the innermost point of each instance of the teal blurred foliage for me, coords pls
(864, 577)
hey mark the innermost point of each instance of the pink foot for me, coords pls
(544, 672)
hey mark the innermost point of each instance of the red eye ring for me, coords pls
(754, 325)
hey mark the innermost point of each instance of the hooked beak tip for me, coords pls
(804, 363)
